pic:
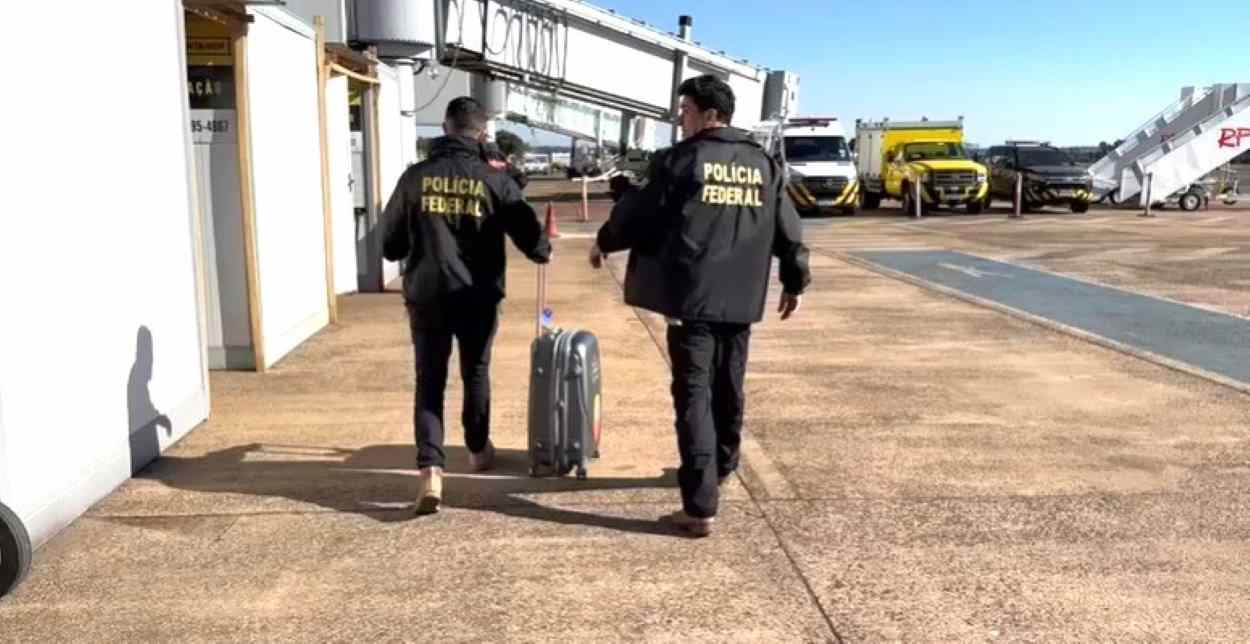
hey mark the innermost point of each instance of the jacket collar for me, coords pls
(727, 134)
(454, 145)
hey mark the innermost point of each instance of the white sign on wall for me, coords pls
(213, 126)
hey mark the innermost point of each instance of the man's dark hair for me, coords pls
(464, 113)
(710, 93)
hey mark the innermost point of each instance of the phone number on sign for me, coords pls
(210, 126)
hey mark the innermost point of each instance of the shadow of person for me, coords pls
(379, 481)
(143, 416)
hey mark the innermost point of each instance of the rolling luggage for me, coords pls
(565, 400)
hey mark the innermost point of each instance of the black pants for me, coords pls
(709, 364)
(472, 321)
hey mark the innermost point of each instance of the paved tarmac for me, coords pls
(1210, 341)
(918, 468)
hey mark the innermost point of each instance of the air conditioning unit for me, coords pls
(398, 28)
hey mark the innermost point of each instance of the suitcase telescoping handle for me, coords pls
(541, 300)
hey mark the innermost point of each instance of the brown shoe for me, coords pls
(693, 526)
(429, 490)
(484, 459)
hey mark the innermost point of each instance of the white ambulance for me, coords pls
(822, 172)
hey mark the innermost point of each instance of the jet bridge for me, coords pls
(564, 65)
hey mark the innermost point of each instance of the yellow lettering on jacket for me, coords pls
(452, 196)
(730, 184)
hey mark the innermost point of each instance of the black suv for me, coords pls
(1051, 177)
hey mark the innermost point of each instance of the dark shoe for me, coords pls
(693, 526)
(483, 460)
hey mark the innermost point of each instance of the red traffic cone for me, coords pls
(552, 232)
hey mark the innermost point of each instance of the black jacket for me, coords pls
(704, 228)
(496, 159)
(448, 216)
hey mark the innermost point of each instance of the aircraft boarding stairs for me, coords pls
(1195, 135)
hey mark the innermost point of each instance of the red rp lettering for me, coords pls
(1232, 137)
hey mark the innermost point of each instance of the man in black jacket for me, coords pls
(702, 234)
(496, 159)
(447, 218)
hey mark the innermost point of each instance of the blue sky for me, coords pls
(1070, 71)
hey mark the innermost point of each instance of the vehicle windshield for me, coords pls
(803, 149)
(1043, 156)
(923, 151)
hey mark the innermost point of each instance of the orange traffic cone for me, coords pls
(552, 232)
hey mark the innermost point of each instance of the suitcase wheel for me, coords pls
(581, 472)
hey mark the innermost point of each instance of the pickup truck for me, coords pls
(1051, 177)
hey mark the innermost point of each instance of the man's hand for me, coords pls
(789, 305)
(596, 256)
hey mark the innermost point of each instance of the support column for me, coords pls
(627, 131)
(322, 74)
(371, 280)
(246, 195)
(680, 60)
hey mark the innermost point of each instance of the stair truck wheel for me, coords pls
(15, 550)
(1190, 201)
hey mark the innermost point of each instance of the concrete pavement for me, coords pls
(918, 468)
(286, 516)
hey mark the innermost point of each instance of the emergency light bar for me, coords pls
(811, 120)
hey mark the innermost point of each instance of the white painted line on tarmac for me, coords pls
(775, 484)
(972, 272)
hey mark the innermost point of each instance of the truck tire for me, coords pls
(978, 207)
(872, 201)
(15, 550)
(1080, 207)
(852, 207)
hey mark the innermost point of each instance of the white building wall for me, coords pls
(286, 166)
(342, 206)
(392, 135)
(229, 325)
(101, 354)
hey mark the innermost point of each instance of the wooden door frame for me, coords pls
(247, 193)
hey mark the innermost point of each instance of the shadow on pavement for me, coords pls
(379, 481)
